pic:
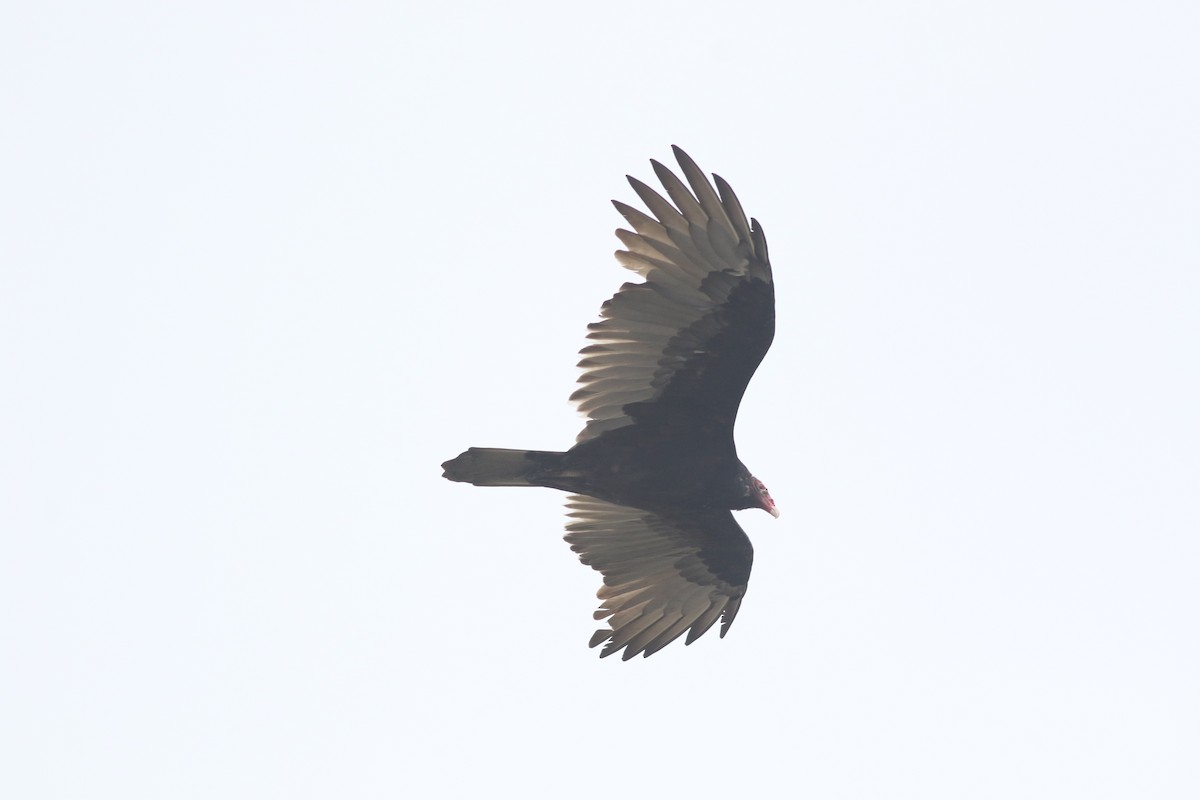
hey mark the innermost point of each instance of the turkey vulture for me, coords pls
(654, 473)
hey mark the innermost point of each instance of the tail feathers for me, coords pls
(492, 466)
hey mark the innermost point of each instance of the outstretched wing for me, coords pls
(682, 345)
(663, 574)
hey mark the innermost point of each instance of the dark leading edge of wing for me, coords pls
(682, 345)
(664, 574)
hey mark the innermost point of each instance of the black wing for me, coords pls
(663, 574)
(682, 345)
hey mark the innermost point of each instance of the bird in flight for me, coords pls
(654, 474)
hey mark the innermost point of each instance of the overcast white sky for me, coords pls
(263, 266)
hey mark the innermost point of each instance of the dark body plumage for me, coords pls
(655, 472)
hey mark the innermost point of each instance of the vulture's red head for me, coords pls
(762, 498)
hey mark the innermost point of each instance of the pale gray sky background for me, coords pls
(263, 266)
